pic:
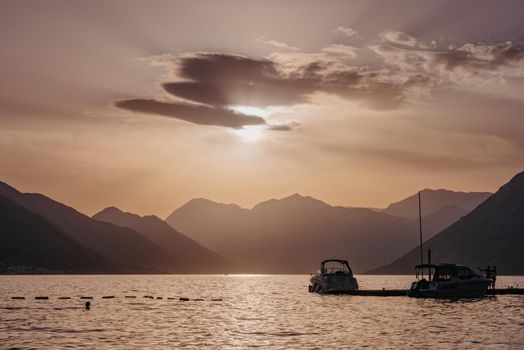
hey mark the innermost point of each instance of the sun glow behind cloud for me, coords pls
(250, 110)
(250, 133)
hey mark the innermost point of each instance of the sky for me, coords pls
(144, 105)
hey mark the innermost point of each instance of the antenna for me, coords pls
(420, 228)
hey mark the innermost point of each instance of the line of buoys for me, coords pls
(113, 297)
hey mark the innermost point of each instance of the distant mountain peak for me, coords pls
(434, 199)
(295, 200)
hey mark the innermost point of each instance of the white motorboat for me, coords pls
(448, 281)
(333, 277)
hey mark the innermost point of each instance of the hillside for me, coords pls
(492, 234)
(31, 244)
(113, 242)
(194, 257)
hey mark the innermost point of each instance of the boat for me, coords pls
(333, 277)
(448, 281)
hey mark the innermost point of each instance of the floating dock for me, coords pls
(404, 292)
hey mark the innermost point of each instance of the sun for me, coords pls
(250, 133)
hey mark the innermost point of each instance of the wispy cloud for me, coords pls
(346, 31)
(341, 49)
(276, 43)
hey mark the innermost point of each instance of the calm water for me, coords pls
(268, 312)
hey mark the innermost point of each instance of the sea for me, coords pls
(246, 311)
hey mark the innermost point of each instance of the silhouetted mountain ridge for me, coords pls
(433, 200)
(194, 257)
(30, 243)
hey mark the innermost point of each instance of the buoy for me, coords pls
(41, 298)
(88, 305)
(18, 298)
(108, 297)
(183, 299)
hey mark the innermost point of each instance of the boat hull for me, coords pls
(453, 289)
(332, 284)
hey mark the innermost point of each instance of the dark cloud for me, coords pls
(197, 114)
(221, 80)
(480, 56)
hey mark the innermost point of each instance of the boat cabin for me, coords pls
(444, 272)
(335, 267)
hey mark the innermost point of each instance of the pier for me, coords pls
(404, 292)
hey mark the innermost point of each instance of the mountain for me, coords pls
(31, 244)
(492, 234)
(194, 257)
(115, 243)
(293, 234)
(433, 200)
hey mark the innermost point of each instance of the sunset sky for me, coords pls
(147, 104)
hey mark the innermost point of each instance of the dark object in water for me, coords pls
(198, 299)
(159, 298)
(86, 297)
(64, 298)
(88, 305)
(170, 298)
(129, 297)
(217, 299)
(108, 297)
(18, 298)
(41, 298)
(183, 299)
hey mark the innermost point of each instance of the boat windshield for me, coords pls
(335, 268)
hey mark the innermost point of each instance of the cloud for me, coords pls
(275, 43)
(398, 37)
(341, 49)
(196, 114)
(346, 31)
(212, 82)
(291, 125)
(471, 64)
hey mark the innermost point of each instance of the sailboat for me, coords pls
(445, 280)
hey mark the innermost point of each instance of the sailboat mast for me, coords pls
(420, 229)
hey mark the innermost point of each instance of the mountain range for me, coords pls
(292, 234)
(122, 245)
(287, 235)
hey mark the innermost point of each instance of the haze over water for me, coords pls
(264, 311)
